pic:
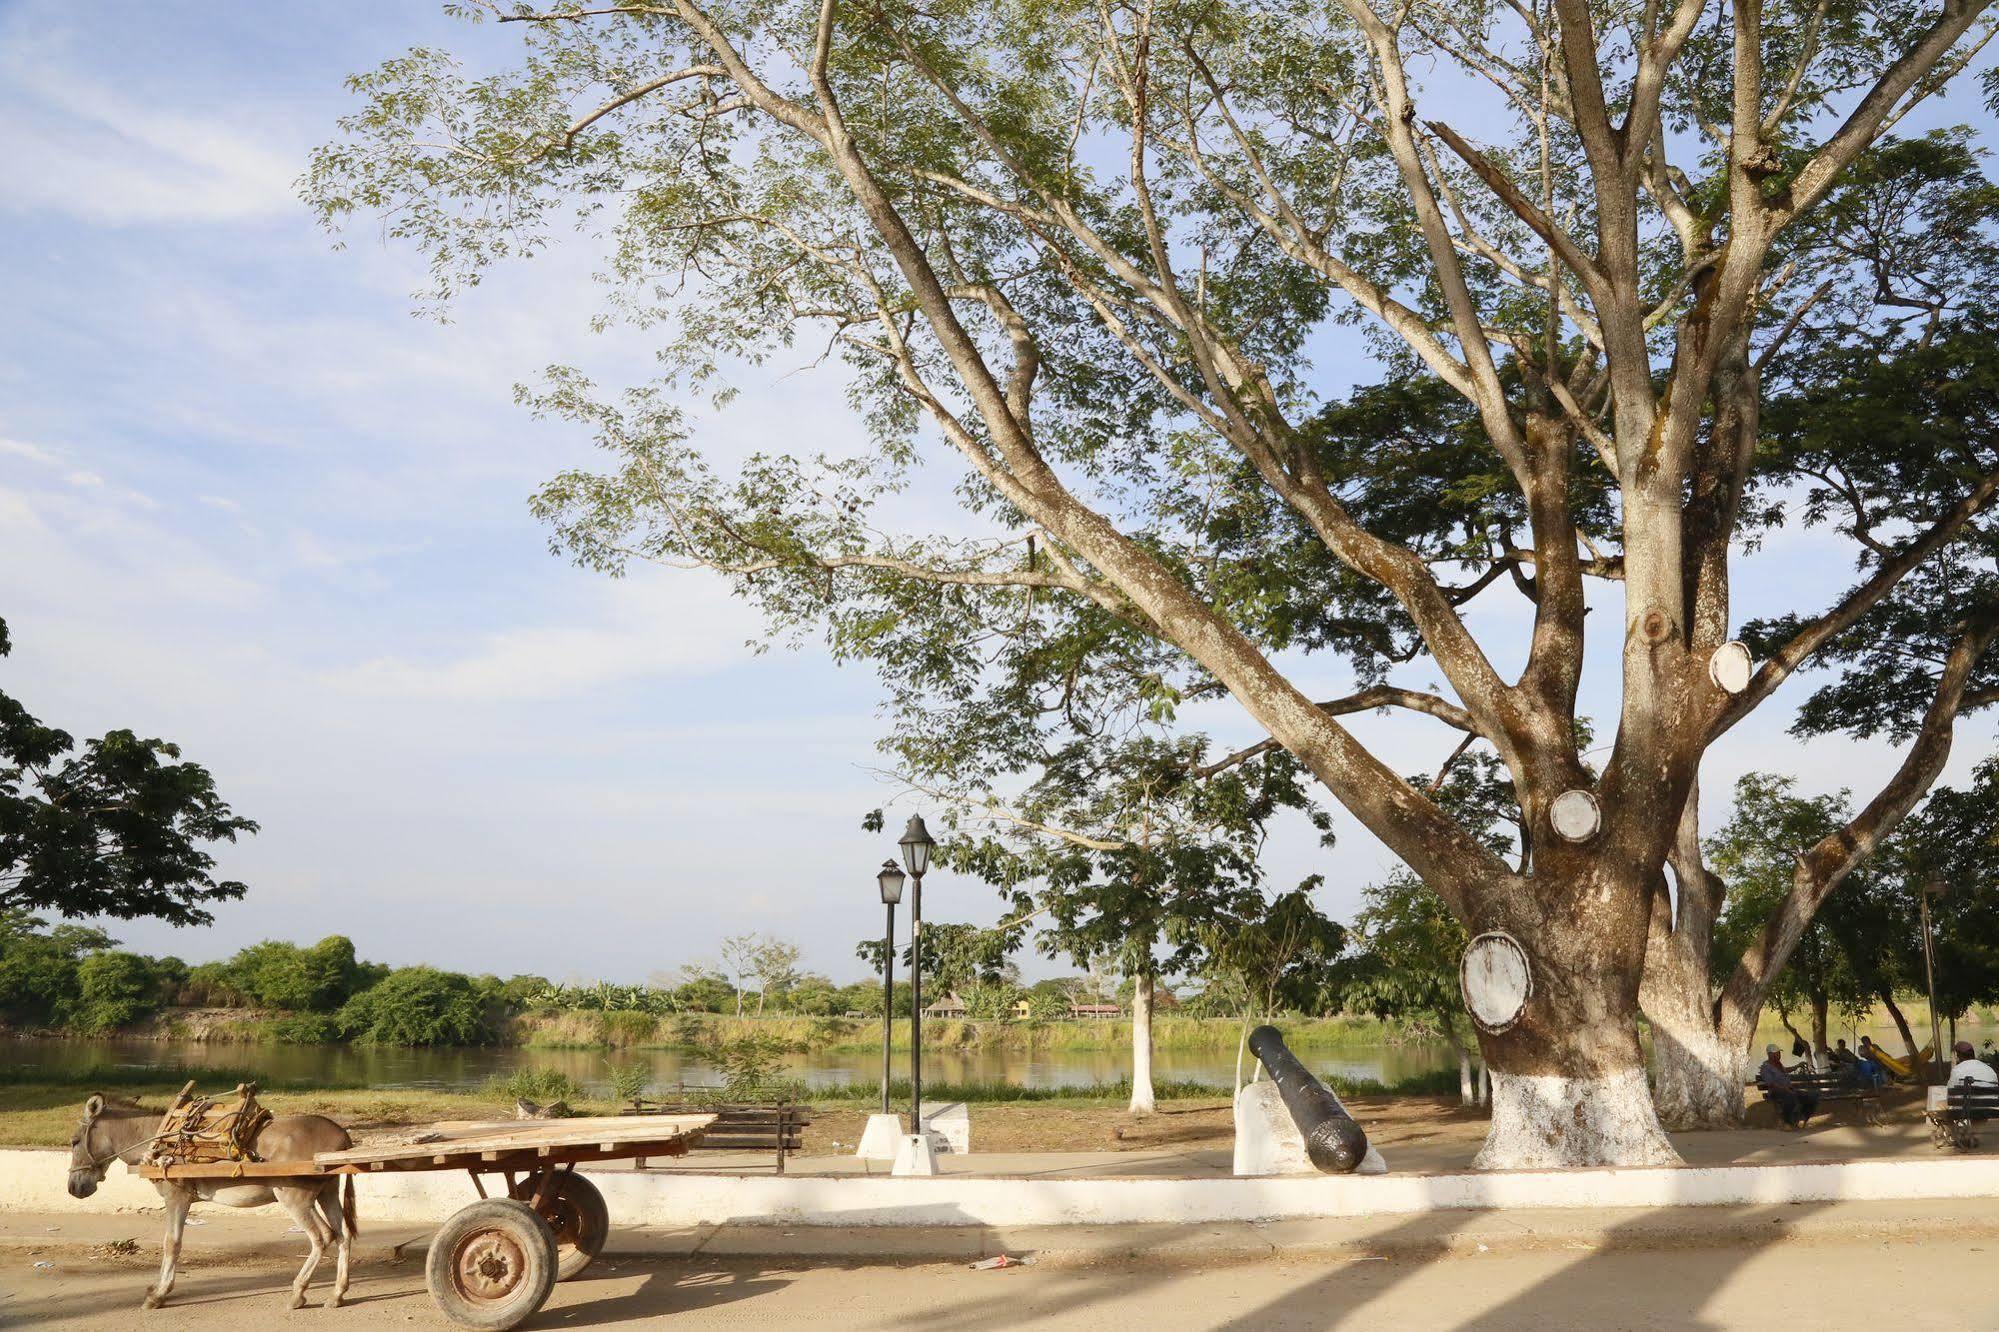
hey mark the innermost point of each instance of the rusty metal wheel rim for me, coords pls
(566, 1220)
(490, 1266)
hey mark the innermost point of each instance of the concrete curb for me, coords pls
(32, 1180)
(1463, 1234)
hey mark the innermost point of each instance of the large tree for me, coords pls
(1094, 250)
(120, 827)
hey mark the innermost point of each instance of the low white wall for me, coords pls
(34, 1180)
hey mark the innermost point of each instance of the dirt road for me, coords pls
(1936, 1284)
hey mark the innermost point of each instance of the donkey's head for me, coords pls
(96, 1143)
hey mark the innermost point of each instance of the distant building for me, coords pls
(1096, 1010)
(950, 1006)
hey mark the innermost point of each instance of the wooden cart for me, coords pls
(494, 1261)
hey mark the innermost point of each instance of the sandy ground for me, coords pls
(1878, 1282)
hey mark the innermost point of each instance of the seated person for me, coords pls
(1795, 1106)
(1870, 1069)
(1970, 1068)
(1841, 1057)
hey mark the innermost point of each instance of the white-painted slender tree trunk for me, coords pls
(1141, 1044)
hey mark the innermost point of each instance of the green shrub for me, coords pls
(211, 985)
(629, 1080)
(38, 965)
(114, 989)
(275, 974)
(620, 1027)
(752, 1070)
(417, 1006)
(543, 1086)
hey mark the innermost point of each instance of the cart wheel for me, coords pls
(491, 1265)
(575, 1211)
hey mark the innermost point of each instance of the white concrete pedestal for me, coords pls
(915, 1154)
(950, 1123)
(880, 1138)
(1267, 1142)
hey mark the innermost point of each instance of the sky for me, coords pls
(250, 504)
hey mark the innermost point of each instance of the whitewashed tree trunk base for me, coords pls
(1701, 1076)
(1141, 1047)
(1545, 1121)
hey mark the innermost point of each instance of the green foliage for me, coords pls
(543, 1086)
(956, 957)
(604, 997)
(318, 979)
(417, 1006)
(1407, 966)
(629, 1081)
(752, 1070)
(211, 985)
(39, 965)
(1930, 414)
(116, 829)
(1281, 958)
(114, 989)
(1842, 959)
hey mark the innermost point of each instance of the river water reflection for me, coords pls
(463, 1069)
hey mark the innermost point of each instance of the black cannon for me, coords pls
(1333, 1140)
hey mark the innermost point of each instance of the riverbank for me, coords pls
(580, 1029)
(1086, 1119)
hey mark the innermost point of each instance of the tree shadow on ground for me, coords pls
(1596, 1290)
(663, 1289)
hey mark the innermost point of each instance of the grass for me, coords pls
(576, 1030)
(41, 1111)
(44, 1114)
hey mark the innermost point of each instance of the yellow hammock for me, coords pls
(1902, 1068)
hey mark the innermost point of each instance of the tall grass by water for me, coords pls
(698, 1031)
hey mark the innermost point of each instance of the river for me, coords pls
(462, 1069)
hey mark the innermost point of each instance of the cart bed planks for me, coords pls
(475, 1146)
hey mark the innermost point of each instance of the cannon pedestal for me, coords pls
(1333, 1142)
(1268, 1143)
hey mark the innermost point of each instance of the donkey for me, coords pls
(122, 1131)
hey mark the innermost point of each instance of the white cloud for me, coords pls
(658, 627)
(20, 448)
(82, 149)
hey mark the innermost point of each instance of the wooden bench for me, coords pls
(1965, 1107)
(768, 1126)
(1837, 1086)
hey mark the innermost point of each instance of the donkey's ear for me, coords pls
(93, 1107)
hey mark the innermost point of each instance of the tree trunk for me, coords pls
(1467, 1085)
(1141, 1044)
(1821, 1026)
(1901, 1022)
(1484, 1084)
(1568, 1077)
(1701, 1073)
(1698, 1047)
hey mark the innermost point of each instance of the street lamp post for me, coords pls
(916, 847)
(890, 882)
